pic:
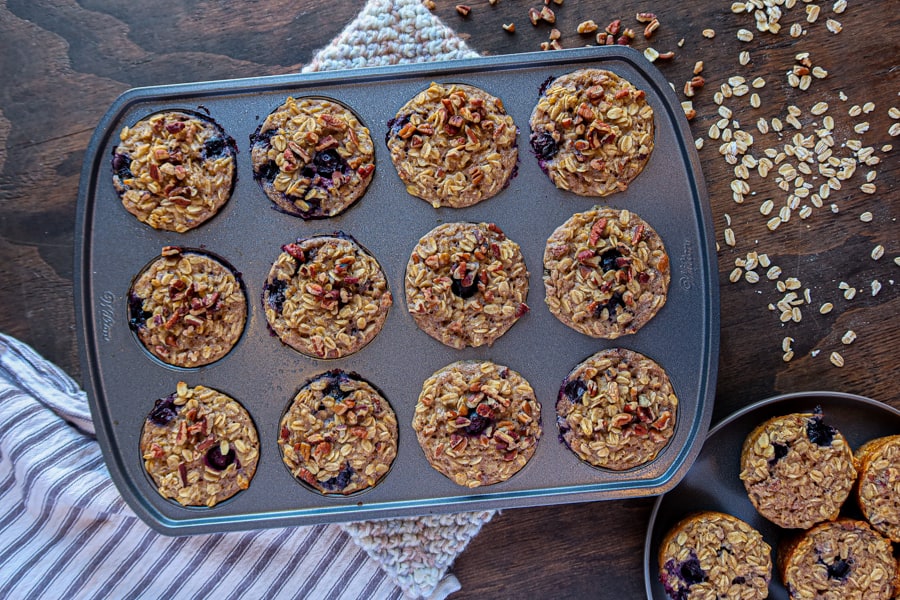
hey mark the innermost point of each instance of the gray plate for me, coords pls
(123, 381)
(713, 482)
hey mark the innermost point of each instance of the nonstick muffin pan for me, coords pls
(123, 380)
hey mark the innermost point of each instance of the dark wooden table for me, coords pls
(63, 62)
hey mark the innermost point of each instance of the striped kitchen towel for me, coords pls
(65, 532)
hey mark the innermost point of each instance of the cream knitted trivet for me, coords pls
(416, 552)
(390, 32)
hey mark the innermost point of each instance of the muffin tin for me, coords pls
(123, 380)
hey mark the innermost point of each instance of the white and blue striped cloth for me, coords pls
(65, 531)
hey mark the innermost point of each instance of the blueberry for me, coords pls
(667, 577)
(329, 161)
(121, 165)
(164, 410)
(214, 458)
(818, 432)
(467, 286)
(477, 424)
(264, 139)
(137, 316)
(563, 426)
(461, 290)
(609, 260)
(275, 294)
(611, 305)
(781, 451)
(574, 390)
(333, 388)
(214, 148)
(341, 480)
(544, 145)
(839, 569)
(268, 172)
(691, 571)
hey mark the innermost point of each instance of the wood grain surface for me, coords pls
(63, 62)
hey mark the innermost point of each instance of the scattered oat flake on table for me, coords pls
(786, 343)
(836, 359)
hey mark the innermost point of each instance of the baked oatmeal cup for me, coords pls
(174, 170)
(453, 145)
(312, 157)
(715, 555)
(878, 486)
(616, 410)
(466, 284)
(199, 446)
(592, 132)
(606, 272)
(797, 470)
(339, 435)
(841, 560)
(187, 308)
(477, 422)
(326, 297)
